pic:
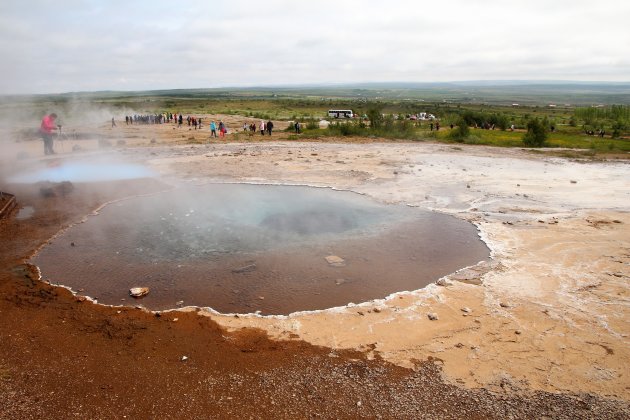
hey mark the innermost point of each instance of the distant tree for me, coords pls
(536, 133)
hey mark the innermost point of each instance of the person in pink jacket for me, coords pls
(46, 130)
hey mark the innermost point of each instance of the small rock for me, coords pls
(340, 281)
(175, 319)
(466, 310)
(443, 282)
(179, 303)
(359, 403)
(261, 297)
(432, 316)
(335, 261)
(573, 182)
(139, 292)
(184, 358)
(518, 332)
(504, 305)
(72, 244)
(377, 310)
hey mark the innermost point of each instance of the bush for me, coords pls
(460, 132)
(536, 133)
(376, 118)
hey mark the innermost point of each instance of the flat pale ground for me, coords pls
(551, 311)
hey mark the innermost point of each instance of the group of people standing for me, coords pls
(263, 126)
(49, 125)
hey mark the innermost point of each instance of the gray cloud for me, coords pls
(96, 45)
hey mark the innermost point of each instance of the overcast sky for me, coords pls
(72, 45)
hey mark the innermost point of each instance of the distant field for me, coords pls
(571, 108)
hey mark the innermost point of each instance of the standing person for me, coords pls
(262, 128)
(221, 129)
(269, 126)
(46, 130)
(297, 127)
(113, 122)
(213, 129)
(180, 121)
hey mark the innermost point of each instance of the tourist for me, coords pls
(113, 122)
(269, 127)
(262, 128)
(213, 129)
(222, 129)
(46, 129)
(297, 127)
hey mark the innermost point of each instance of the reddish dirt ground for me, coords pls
(61, 357)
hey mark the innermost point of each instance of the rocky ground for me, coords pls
(541, 331)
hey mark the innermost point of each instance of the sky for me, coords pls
(72, 45)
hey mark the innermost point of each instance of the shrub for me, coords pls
(460, 132)
(536, 133)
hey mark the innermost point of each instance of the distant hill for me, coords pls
(503, 92)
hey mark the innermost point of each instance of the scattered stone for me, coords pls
(377, 310)
(518, 332)
(459, 345)
(340, 281)
(432, 316)
(467, 185)
(179, 303)
(261, 297)
(335, 261)
(616, 221)
(443, 282)
(466, 310)
(573, 182)
(184, 358)
(505, 305)
(139, 292)
(72, 244)
(359, 403)
(175, 319)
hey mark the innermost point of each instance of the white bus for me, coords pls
(340, 113)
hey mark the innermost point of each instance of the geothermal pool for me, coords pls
(239, 248)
